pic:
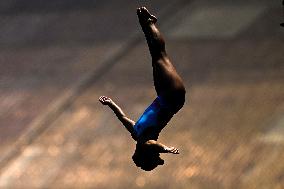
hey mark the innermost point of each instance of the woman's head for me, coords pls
(147, 159)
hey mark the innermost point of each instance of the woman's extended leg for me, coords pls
(166, 80)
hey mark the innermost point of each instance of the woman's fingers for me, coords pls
(173, 150)
(104, 100)
(176, 151)
(101, 99)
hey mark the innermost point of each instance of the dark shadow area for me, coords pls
(42, 6)
(36, 24)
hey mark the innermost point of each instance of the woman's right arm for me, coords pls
(128, 123)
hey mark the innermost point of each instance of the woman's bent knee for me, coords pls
(176, 99)
(179, 99)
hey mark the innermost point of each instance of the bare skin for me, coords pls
(167, 82)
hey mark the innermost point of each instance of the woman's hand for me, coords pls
(172, 150)
(161, 148)
(105, 100)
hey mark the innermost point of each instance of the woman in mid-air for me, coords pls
(170, 99)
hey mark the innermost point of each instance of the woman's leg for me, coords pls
(168, 83)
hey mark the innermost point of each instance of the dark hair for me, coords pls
(147, 159)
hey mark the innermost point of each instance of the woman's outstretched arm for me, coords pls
(161, 148)
(128, 123)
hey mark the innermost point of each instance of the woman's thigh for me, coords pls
(166, 79)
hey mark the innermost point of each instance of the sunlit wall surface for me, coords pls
(58, 57)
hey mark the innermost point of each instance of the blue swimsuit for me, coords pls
(152, 121)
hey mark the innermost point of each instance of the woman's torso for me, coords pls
(152, 121)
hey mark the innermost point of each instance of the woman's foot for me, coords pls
(145, 17)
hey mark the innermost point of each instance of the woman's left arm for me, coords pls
(161, 148)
